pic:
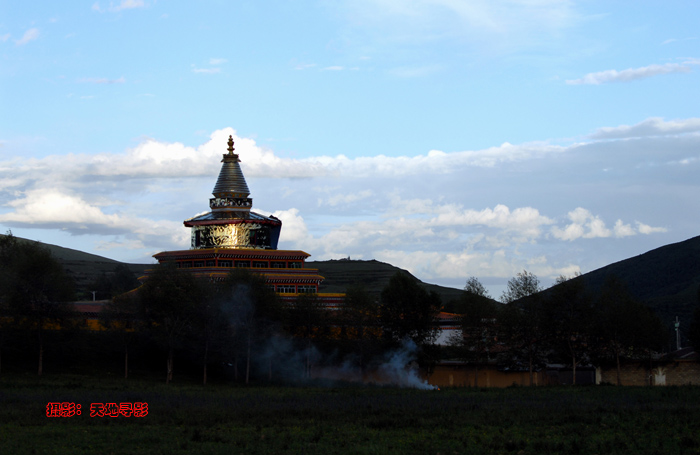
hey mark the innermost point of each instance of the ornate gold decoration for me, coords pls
(240, 235)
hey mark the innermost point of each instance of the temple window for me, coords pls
(305, 289)
(242, 263)
(185, 265)
(260, 264)
(210, 263)
(199, 263)
(278, 265)
(225, 264)
(295, 265)
(285, 289)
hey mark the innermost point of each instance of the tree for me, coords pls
(694, 329)
(478, 327)
(252, 310)
(616, 324)
(523, 331)
(523, 285)
(34, 289)
(114, 283)
(306, 318)
(475, 287)
(408, 311)
(168, 301)
(209, 327)
(568, 319)
(360, 319)
(122, 318)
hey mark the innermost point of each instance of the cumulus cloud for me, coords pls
(654, 126)
(440, 213)
(646, 229)
(586, 225)
(29, 35)
(623, 230)
(583, 224)
(58, 209)
(629, 74)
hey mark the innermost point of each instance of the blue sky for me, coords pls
(451, 138)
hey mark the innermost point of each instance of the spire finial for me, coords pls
(230, 145)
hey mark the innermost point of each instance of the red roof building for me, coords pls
(231, 235)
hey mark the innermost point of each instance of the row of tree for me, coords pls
(565, 324)
(237, 321)
(241, 321)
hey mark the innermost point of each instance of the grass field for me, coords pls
(347, 419)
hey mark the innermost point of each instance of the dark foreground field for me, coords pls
(338, 420)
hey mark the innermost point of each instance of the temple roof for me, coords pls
(231, 182)
(229, 217)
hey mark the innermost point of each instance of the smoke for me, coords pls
(258, 344)
(402, 369)
(397, 367)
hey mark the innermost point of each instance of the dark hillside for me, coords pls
(666, 279)
(374, 275)
(85, 268)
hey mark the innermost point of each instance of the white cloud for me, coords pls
(654, 126)
(442, 213)
(29, 35)
(344, 198)
(586, 225)
(490, 25)
(303, 66)
(5, 37)
(294, 228)
(629, 74)
(101, 80)
(646, 229)
(583, 224)
(415, 71)
(123, 5)
(333, 68)
(623, 230)
(217, 61)
(206, 70)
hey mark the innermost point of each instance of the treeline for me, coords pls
(238, 325)
(566, 324)
(240, 329)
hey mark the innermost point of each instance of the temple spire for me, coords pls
(230, 145)
(231, 191)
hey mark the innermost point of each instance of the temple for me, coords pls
(232, 235)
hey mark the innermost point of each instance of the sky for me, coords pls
(449, 138)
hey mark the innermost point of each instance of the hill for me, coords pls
(667, 279)
(372, 274)
(85, 268)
